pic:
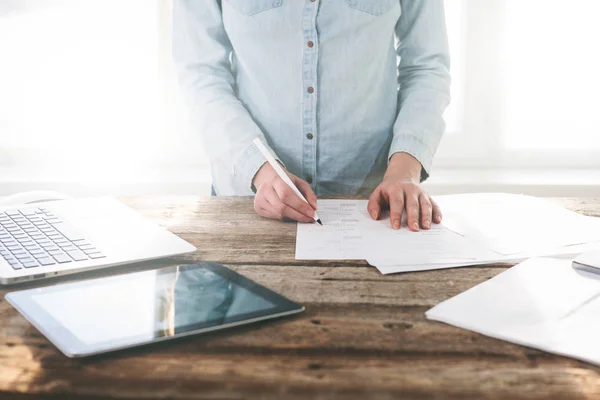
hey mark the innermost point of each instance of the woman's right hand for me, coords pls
(276, 200)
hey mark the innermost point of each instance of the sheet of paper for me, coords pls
(340, 237)
(512, 224)
(395, 269)
(349, 233)
(542, 303)
(389, 267)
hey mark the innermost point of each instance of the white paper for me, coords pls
(516, 224)
(542, 303)
(389, 267)
(349, 233)
(340, 237)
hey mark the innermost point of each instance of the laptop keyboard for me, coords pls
(33, 237)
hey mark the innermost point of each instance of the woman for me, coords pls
(319, 82)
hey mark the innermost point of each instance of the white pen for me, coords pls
(265, 152)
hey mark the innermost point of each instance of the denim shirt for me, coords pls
(333, 87)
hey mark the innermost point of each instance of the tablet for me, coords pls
(101, 315)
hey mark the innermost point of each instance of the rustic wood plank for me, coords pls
(363, 335)
(336, 322)
(167, 375)
(250, 238)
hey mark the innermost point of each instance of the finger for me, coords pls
(261, 205)
(374, 205)
(283, 211)
(396, 202)
(426, 210)
(267, 213)
(291, 199)
(436, 211)
(412, 209)
(307, 191)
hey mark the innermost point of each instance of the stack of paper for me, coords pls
(542, 303)
(477, 229)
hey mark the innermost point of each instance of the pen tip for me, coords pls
(319, 222)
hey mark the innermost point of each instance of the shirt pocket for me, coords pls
(373, 7)
(251, 7)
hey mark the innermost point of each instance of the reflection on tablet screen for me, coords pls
(151, 304)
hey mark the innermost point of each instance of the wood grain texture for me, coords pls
(364, 335)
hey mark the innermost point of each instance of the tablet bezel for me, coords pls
(72, 347)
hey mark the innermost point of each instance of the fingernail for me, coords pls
(396, 224)
(438, 219)
(374, 214)
(427, 224)
(415, 226)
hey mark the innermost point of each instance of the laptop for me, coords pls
(47, 239)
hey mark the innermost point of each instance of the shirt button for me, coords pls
(310, 44)
(310, 89)
(309, 136)
(309, 180)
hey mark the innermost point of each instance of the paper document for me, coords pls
(340, 237)
(513, 224)
(542, 303)
(349, 233)
(391, 267)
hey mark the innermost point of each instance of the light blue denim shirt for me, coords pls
(334, 87)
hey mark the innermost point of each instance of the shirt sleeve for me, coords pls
(201, 52)
(424, 80)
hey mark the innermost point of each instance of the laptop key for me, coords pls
(28, 211)
(17, 266)
(31, 264)
(22, 256)
(55, 252)
(62, 258)
(46, 261)
(40, 255)
(69, 248)
(96, 255)
(90, 250)
(77, 255)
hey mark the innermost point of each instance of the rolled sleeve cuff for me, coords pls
(247, 165)
(413, 145)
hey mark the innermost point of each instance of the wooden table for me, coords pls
(362, 336)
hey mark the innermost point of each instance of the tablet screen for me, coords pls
(153, 304)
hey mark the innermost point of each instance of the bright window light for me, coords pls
(79, 79)
(551, 81)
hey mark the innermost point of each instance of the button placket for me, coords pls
(309, 79)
